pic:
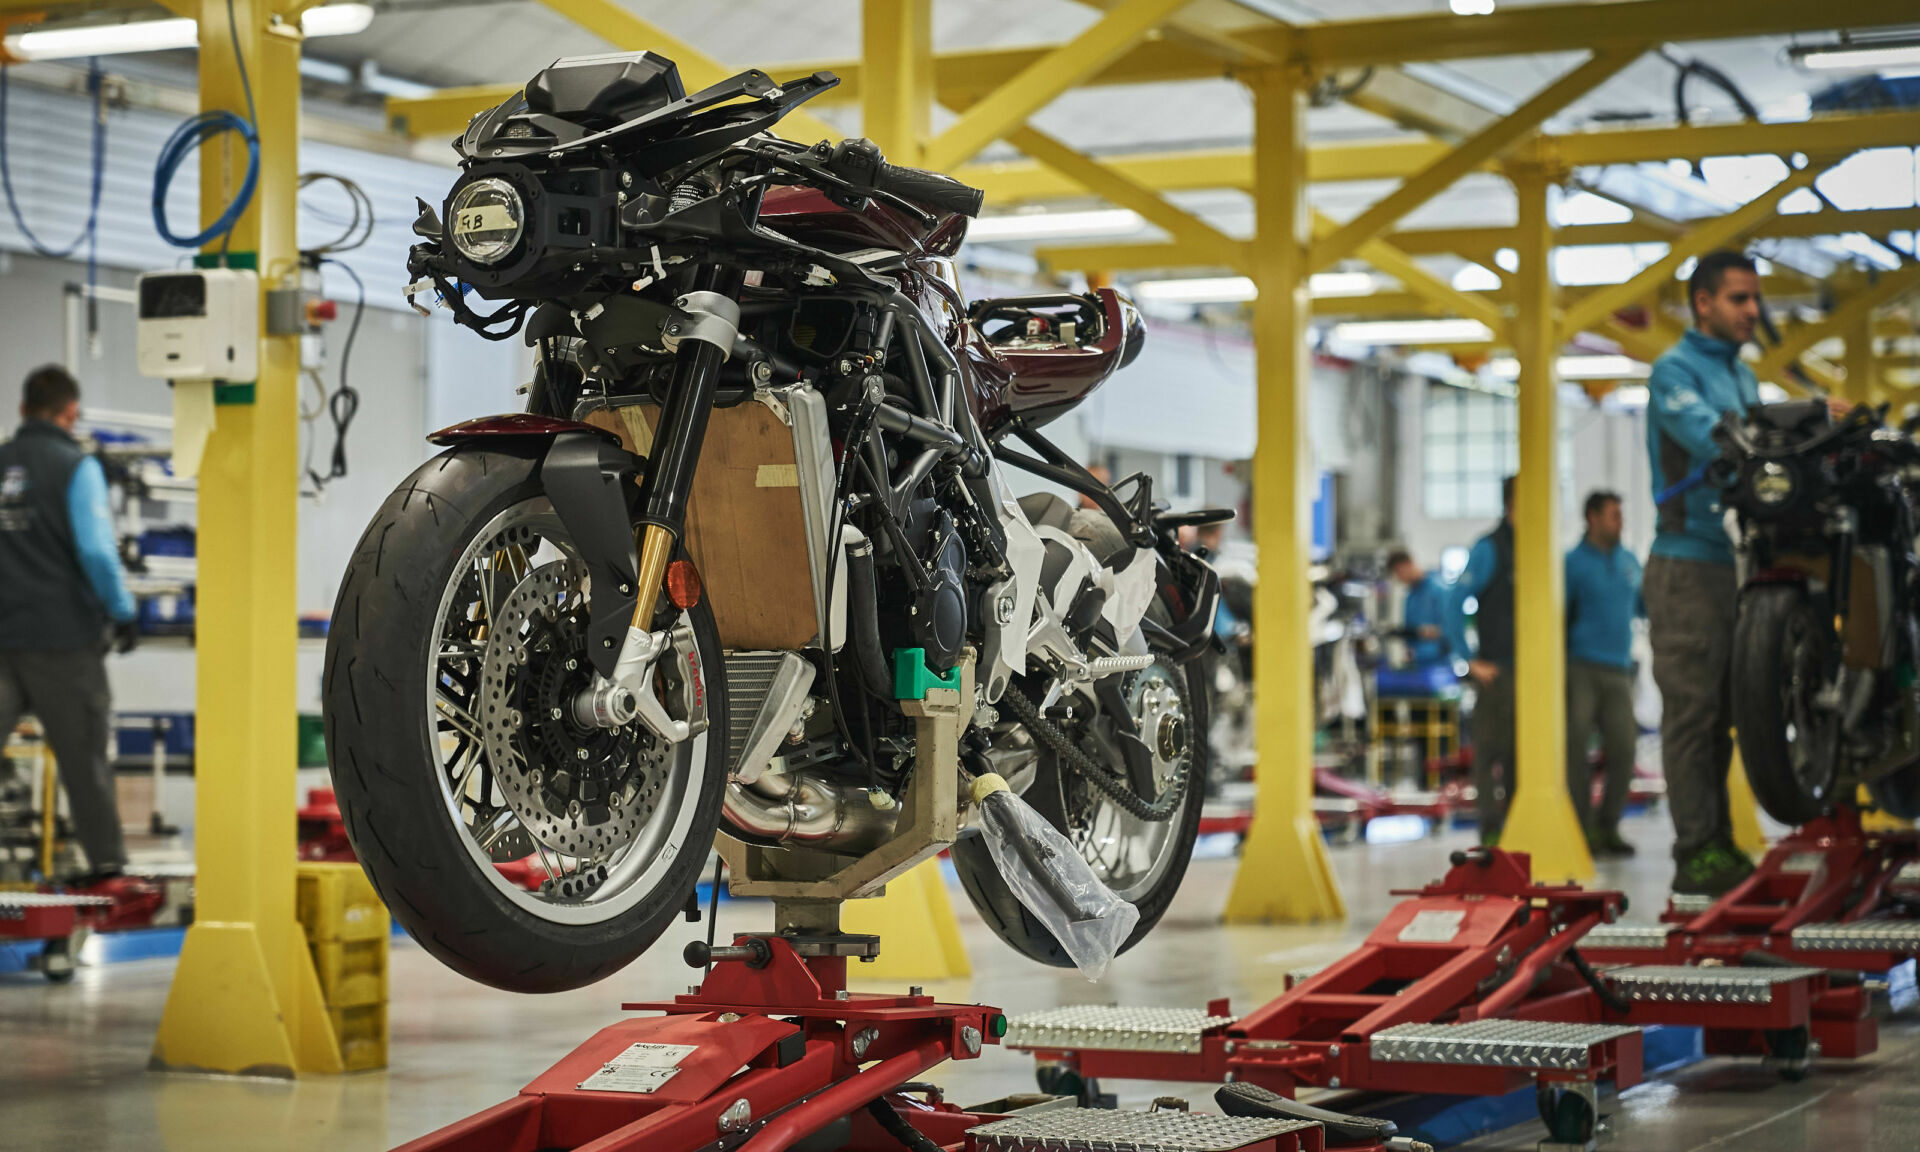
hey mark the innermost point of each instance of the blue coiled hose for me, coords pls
(190, 135)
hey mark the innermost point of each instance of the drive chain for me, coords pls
(1095, 772)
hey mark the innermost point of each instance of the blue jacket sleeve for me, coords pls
(1677, 409)
(1480, 564)
(92, 520)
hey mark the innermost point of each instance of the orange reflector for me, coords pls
(683, 584)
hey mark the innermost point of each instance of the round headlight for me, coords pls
(488, 219)
(1773, 484)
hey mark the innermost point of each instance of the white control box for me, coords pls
(200, 324)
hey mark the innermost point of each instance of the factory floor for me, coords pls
(73, 1058)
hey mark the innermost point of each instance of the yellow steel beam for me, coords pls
(625, 30)
(1198, 239)
(1489, 143)
(1395, 263)
(445, 112)
(1530, 29)
(896, 39)
(1414, 104)
(1540, 818)
(1858, 385)
(1035, 87)
(1284, 841)
(1716, 232)
(1017, 180)
(1838, 132)
(245, 999)
(1872, 221)
(1796, 341)
(1204, 39)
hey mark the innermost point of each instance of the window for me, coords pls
(1469, 444)
(1183, 475)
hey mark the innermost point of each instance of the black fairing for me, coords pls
(605, 89)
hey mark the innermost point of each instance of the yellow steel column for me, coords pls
(1859, 360)
(245, 999)
(1541, 819)
(896, 76)
(1284, 871)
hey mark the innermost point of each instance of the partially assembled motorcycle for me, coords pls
(1826, 644)
(757, 502)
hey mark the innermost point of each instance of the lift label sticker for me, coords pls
(1432, 927)
(641, 1068)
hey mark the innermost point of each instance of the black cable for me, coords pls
(344, 404)
(1609, 995)
(88, 231)
(898, 1128)
(359, 227)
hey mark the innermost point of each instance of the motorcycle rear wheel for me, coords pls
(1781, 656)
(460, 616)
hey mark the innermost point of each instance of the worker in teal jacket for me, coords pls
(1424, 613)
(63, 597)
(1690, 587)
(1603, 599)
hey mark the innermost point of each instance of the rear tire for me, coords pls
(386, 755)
(1780, 651)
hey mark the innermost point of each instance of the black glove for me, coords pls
(126, 636)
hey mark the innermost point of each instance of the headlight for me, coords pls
(488, 220)
(1773, 484)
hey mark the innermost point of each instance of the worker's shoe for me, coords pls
(1712, 871)
(1607, 844)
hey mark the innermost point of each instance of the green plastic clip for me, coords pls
(912, 677)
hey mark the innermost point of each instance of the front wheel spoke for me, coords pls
(503, 822)
(458, 718)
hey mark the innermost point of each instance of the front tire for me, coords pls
(465, 587)
(1782, 653)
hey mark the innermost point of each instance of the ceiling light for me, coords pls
(1238, 289)
(1054, 225)
(1200, 290)
(1471, 7)
(1595, 367)
(164, 35)
(1630, 396)
(1888, 52)
(1412, 332)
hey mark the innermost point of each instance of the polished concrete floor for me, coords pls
(73, 1058)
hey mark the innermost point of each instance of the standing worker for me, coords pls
(1690, 586)
(1424, 615)
(63, 597)
(1603, 597)
(1489, 579)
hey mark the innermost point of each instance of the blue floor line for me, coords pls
(1447, 1120)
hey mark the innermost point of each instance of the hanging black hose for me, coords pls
(1608, 994)
(898, 1128)
(344, 404)
(1705, 71)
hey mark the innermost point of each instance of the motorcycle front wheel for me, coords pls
(1789, 741)
(522, 848)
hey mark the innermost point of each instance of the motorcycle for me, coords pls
(757, 503)
(1826, 642)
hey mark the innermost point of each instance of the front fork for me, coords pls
(702, 335)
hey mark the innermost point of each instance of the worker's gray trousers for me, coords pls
(1690, 611)
(1493, 744)
(1600, 696)
(67, 691)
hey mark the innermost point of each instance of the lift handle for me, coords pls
(755, 953)
(1481, 856)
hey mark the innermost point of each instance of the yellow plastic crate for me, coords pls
(337, 902)
(352, 972)
(362, 1035)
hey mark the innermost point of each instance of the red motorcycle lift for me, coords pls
(1472, 987)
(772, 1049)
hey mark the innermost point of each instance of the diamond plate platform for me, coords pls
(1628, 936)
(1105, 1130)
(1860, 936)
(1683, 984)
(1689, 904)
(1496, 1043)
(50, 900)
(1113, 1028)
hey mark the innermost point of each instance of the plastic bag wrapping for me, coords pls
(1052, 880)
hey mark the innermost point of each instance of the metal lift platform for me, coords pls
(1472, 986)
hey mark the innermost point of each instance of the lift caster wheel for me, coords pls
(1571, 1113)
(56, 960)
(1062, 1080)
(1790, 1053)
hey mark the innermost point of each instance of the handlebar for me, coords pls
(929, 189)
